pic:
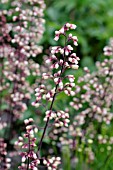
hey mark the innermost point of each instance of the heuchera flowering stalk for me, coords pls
(61, 59)
(68, 60)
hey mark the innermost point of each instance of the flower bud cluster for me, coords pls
(52, 163)
(29, 157)
(71, 60)
(27, 143)
(98, 96)
(58, 133)
(62, 31)
(60, 117)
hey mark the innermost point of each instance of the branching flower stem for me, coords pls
(51, 106)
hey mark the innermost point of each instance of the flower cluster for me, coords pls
(30, 160)
(68, 60)
(62, 31)
(21, 29)
(14, 70)
(26, 16)
(18, 40)
(60, 117)
(52, 163)
(27, 142)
